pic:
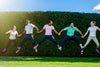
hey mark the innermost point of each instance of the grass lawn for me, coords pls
(14, 61)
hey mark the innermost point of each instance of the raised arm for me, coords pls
(7, 32)
(60, 32)
(55, 31)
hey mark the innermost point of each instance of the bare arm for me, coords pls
(60, 32)
(99, 29)
(86, 33)
(7, 32)
(23, 33)
(19, 35)
(55, 31)
(41, 31)
(36, 28)
(80, 32)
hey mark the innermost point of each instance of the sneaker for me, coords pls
(35, 49)
(4, 50)
(17, 51)
(18, 48)
(60, 48)
(97, 51)
(82, 51)
(81, 46)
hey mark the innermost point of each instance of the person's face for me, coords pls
(92, 24)
(50, 23)
(14, 28)
(26, 23)
(72, 24)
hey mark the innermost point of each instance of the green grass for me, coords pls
(48, 62)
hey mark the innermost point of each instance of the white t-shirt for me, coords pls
(12, 35)
(48, 29)
(29, 28)
(93, 30)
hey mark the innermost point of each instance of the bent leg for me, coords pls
(32, 40)
(96, 41)
(87, 42)
(53, 39)
(43, 39)
(23, 40)
(64, 39)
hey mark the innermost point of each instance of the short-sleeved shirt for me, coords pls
(29, 28)
(48, 29)
(71, 30)
(12, 35)
(93, 30)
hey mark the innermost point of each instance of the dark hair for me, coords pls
(70, 22)
(49, 21)
(94, 22)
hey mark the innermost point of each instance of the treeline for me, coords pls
(47, 48)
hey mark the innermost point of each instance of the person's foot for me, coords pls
(17, 51)
(35, 48)
(4, 50)
(18, 48)
(82, 51)
(97, 51)
(60, 48)
(81, 46)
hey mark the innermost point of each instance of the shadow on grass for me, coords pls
(51, 59)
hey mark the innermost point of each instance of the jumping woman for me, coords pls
(92, 36)
(12, 38)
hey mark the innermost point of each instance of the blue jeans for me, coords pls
(70, 37)
(47, 37)
(28, 36)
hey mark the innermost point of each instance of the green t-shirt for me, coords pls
(71, 30)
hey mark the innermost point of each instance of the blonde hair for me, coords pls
(14, 26)
(28, 21)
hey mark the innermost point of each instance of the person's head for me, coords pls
(14, 28)
(27, 22)
(50, 22)
(71, 24)
(93, 23)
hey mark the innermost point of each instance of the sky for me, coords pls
(83, 6)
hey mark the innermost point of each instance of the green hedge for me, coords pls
(47, 48)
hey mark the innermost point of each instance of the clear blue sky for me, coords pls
(50, 5)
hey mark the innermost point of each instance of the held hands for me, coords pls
(59, 34)
(38, 32)
(19, 35)
(82, 36)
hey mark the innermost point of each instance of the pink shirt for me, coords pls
(48, 29)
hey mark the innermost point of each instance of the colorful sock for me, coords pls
(58, 45)
(81, 46)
